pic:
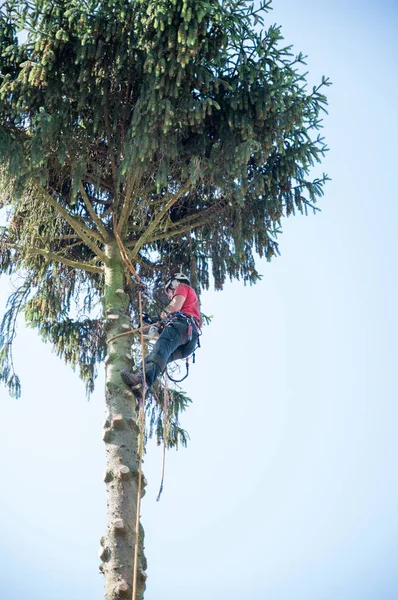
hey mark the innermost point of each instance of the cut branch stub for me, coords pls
(120, 292)
(107, 436)
(119, 526)
(108, 476)
(104, 554)
(124, 472)
(117, 421)
(128, 394)
(122, 587)
(126, 326)
(113, 317)
(132, 423)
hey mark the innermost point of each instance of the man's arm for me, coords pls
(174, 306)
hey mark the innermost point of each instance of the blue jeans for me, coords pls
(173, 343)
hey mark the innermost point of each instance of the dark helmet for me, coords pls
(175, 279)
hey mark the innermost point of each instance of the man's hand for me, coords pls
(174, 306)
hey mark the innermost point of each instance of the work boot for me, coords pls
(134, 382)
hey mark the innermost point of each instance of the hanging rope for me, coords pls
(140, 452)
(166, 404)
(125, 256)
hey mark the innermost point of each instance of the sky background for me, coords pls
(289, 487)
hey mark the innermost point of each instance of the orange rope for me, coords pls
(166, 395)
(124, 254)
(132, 331)
(141, 452)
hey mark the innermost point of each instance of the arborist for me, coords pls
(181, 323)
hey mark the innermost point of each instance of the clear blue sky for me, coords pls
(289, 487)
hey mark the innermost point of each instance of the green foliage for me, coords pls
(178, 122)
(160, 427)
(8, 327)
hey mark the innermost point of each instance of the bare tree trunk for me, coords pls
(121, 433)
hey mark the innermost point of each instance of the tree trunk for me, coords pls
(121, 432)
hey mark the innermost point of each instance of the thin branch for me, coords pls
(148, 264)
(80, 229)
(156, 221)
(56, 257)
(187, 224)
(108, 135)
(125, 212)
(93, 214)
(62, 238)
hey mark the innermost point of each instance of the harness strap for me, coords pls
(193, 322)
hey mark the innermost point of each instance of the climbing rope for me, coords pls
(166, 404)
(124, 255)
(140, 452)
(133, 331)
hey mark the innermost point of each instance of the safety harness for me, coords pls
(193, 325)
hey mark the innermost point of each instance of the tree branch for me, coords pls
(188, 223)
(56, 257)
(93, 214)
(108, 135)
(82, 231)
(124, 214)
(156, 221)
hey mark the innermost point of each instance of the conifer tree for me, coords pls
(182, 128)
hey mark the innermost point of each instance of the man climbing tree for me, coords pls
(144, 137)
(179, 335)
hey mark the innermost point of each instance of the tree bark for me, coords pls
(121, 432)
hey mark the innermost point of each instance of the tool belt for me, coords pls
(192, 322)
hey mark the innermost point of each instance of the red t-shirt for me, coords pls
(191, 304)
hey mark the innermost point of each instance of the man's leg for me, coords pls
(185, 350)
(175, 334)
